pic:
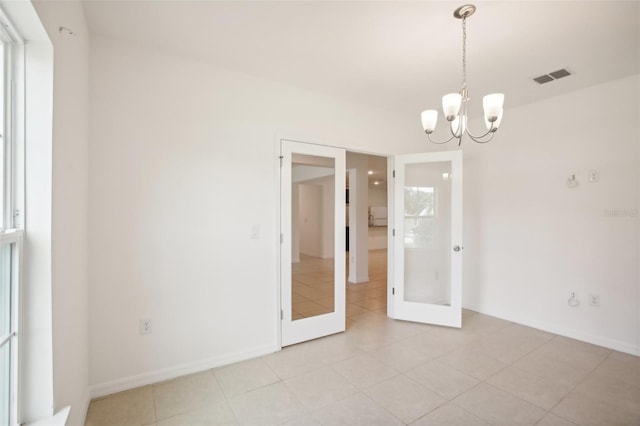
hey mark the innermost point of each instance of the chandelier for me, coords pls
(454, 105)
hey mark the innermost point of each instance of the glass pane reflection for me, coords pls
(313, 230)
(427, 239)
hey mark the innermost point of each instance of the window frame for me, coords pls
(12, 179)
(12, 125)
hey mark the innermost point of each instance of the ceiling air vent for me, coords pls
(545, 78)
(560, 73)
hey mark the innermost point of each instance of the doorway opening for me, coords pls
(367, 230)
(312, 267)
(366, 235)
(416, 276)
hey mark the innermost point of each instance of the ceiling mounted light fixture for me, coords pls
(454, 105)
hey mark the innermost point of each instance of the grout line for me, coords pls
(155, 408)
(574, 388)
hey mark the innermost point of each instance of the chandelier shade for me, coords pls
(454, 105)
(451, 105)
(429, 119)
(492, 105)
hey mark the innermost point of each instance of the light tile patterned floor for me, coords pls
(387, 372)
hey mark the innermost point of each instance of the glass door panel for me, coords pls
(427, 233)
(312, 226)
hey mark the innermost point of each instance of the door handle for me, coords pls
(457, 248)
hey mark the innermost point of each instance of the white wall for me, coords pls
(530, 240)
(310, 219)
(69, 210)
(315, 216)
(302, 173)
(182, 164)
(328, 185)
(295, 222)
(378, 196)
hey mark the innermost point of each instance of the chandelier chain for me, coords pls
(464, 52)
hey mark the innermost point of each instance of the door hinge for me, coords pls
(393, 291)
(394, 173)
(393, 232)
(281, 238)
(281, 157)
(281, 314)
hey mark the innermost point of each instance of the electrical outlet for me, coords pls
(594, 300)
(145, 326)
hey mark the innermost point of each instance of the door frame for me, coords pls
(311, 139)
(330, 323)
(391, 221)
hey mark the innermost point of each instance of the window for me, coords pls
(419, 207)
(11, 234)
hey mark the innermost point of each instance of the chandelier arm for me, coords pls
(459, 131)
(474, 137)
(439, 143)
(479, 139)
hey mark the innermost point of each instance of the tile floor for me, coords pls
(387, 372)
(313, 287)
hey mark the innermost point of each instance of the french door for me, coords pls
(428, 238)
(312, 249)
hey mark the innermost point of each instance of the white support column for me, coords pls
(357, 165)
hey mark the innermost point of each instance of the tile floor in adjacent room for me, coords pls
(387, 372)
(312, 287)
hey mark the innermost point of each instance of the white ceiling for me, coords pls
(396, 55)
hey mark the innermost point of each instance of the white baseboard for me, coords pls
(364, 279)
(606, 342)
(58, 419)
(131, 382)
